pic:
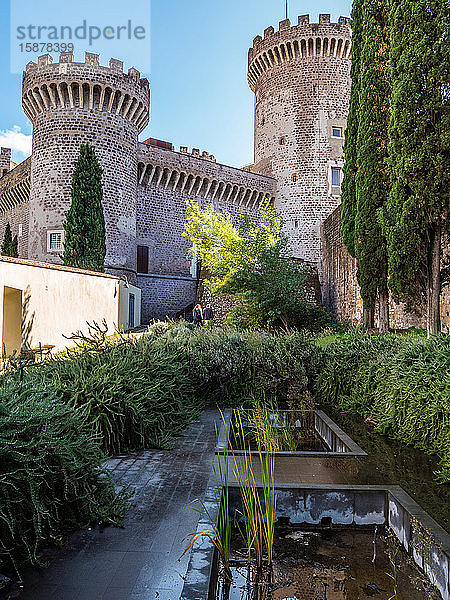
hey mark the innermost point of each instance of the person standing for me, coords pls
(208, 315)
(197, 315)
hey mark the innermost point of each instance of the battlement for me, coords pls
(304, 40)
(85, 85)
(91, 60)
(196, 152)
(304, 27)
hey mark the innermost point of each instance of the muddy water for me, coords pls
(333, 565)
(392, 462)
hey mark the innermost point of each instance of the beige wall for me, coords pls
(58, 302)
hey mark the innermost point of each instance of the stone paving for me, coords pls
(141, 561)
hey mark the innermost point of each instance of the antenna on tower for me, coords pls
(287, 9)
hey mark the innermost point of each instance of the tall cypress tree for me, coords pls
(9, 244)
(85, 245)
(372, 179)
(348, 196)
(351, 224)
(417, 213)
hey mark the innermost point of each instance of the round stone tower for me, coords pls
(301, 79)
(70, 104)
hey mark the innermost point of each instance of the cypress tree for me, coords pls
(372, 179)
(348, 196)
(417, 212)
(349, 184)
(85, 245)
(9, 244)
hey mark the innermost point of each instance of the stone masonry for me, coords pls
(145, 186)
(340, 289)
(300, 76)
(70, 104)
(167, 179)
(301, 79)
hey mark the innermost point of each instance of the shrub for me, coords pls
(132, 393)
(51, 479)
(402, 381)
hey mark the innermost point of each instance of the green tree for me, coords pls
(85, 245)
(366, 183)
(250, 262)
(351, 135)
(9, 244)
(372, 177)
(417, 212)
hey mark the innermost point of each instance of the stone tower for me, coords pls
(301, 79)
(69, 104)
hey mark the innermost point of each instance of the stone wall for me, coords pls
(165, 296)
(14, 204)
(167, 179)
(5, 161)
(340, 289)
(301, 79)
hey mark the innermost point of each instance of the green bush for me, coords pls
(230, 366)
(402, 382)
(132, 393)
(51, 478)
(139, 393)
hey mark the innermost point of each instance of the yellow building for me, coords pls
(41, 303)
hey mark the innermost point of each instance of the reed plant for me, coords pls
(270, 427)
(258, 508)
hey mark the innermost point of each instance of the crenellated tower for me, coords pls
(69, 104)
(301, 79)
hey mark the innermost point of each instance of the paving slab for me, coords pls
(144, 559)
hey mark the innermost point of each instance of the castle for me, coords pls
(300, 75)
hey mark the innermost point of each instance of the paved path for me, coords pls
(140, 561)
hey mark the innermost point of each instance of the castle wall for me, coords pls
(167, 179)
(341, 292)
(14, 204)
(301, 79)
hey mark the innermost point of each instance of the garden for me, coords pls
(61, 418)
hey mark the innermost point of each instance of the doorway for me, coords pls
(131, 301)
(12, 321)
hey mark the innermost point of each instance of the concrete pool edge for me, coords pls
(331, 434)
(346, 505)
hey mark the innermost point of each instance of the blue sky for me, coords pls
(200, 95)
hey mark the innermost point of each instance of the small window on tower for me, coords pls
(55, 240)
(282, 141)
(294, 177)
(336, 132)
(142, 259)
(335, 177)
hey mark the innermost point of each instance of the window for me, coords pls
(20, 230)
(294, 177)
(335, 177)
(142, 259)
(336, 132)
(55, 241)
(282, 141)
